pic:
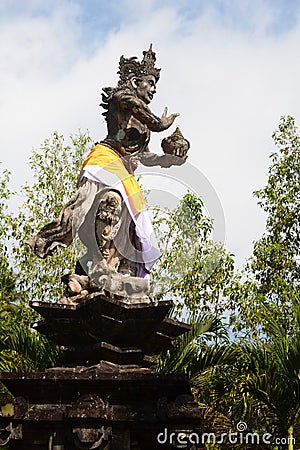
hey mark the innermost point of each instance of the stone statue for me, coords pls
(108, 209)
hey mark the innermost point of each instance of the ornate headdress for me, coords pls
(129, 67)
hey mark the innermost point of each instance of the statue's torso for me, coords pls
(126, 134)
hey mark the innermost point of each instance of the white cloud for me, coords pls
(231, 87)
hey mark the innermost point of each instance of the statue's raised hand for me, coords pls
(167, 121)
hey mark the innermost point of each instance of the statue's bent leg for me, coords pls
(57, 233)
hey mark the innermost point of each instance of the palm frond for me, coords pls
(22, 349)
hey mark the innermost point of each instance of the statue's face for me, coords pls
(146, 88)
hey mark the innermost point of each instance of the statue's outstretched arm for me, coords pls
(140, 111)
(152, 159)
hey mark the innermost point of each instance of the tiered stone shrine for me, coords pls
(104, 395)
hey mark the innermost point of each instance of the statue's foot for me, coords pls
(126, 286)
(38, 245)
(78, 285)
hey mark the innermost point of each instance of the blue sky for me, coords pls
(230, 67)
(98, 17)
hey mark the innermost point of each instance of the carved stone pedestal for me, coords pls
(121, 330)
(123, 409)
(105, 395)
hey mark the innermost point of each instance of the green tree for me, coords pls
(55, 168)
(194, 270)
(23, 277)
(204, 359)
(270, 285)
(274, 382)
(7, 277)
(192, 347)
(263, 387)
(21, 349)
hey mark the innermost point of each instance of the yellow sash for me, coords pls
(104, 157)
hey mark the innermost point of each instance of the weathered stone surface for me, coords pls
(81, 408)
(64, 384)
(91, 354)
(107, 327)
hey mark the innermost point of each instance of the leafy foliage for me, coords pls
(7, 277)
(264, 386)
(21, 349)
(271, 284)
(194, 270)
(55, 168)
(190, 347)
(254, 382)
